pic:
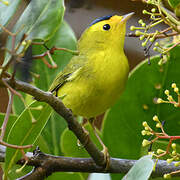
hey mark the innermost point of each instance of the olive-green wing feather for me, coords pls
(76, 63)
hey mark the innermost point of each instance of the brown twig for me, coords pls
(173, 46)
(46, 164)
(52, 50)
(59, 107)
(15, 146)
(160, 36)
(11, 89)
(12, 51)
(8, 111)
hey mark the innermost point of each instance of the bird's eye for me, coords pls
(106, 27)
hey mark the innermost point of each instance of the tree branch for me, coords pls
(59, 107)
(46, 164)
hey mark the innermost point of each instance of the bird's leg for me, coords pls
(86, 141)
(105, 149)
(80, 120)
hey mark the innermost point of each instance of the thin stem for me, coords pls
(176, 44)
(156, 23)
(167, 14)
(46, 62)
(16, 146)
(166, 30)
(6, 30)
(51, 51)
(159, 36)
(8, 111)
(11, 89)
(59, 107)
(169, 137)
(48, 164)
(67, 50)
(175, 172)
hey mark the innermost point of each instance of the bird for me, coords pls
(94, 79)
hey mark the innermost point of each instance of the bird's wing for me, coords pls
(69, 72)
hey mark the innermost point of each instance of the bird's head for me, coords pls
(105, 32)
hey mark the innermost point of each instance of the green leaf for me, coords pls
(141, 170)
(11, 120)
(69, 144)
(52, 132)
(24, 132)
(174, 3)
(123, 124)
(42, 144)
(65, 176)
(6, 12)
(64, 37)
(12, 175)
(18, 105)
(43, 17)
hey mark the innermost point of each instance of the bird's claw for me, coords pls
(106, 157)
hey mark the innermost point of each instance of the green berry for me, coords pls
(174, 153)
(158, 125)
(6, 3)
(166, 92)
(141, 38)
(143, 24)
(155, 48)
(145, 124)
(145, 142)
(144, 11)
(173, 85)
(169, 160)
(24, 43)
(167, 176)
(155, 118)
(177, 164)
(176, 90)
(159, 100)
(143, 132)
(143, 44)
(151, 39)
(153, 10)
(138, 33)
(159, 151)
(140, 21)
(156, 44)
(132, 28)
(173, 145)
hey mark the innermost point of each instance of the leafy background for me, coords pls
(122, 124)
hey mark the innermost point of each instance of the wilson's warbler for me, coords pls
(94, 79)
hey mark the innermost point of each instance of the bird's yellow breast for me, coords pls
(97, 85)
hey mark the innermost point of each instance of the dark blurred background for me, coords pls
(80, 13)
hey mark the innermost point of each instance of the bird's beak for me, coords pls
(127, 16)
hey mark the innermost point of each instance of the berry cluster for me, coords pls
(170, 99)
(147, 34)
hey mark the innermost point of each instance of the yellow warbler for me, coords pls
(94, 79)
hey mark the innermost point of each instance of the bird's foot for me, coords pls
(106, 157)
